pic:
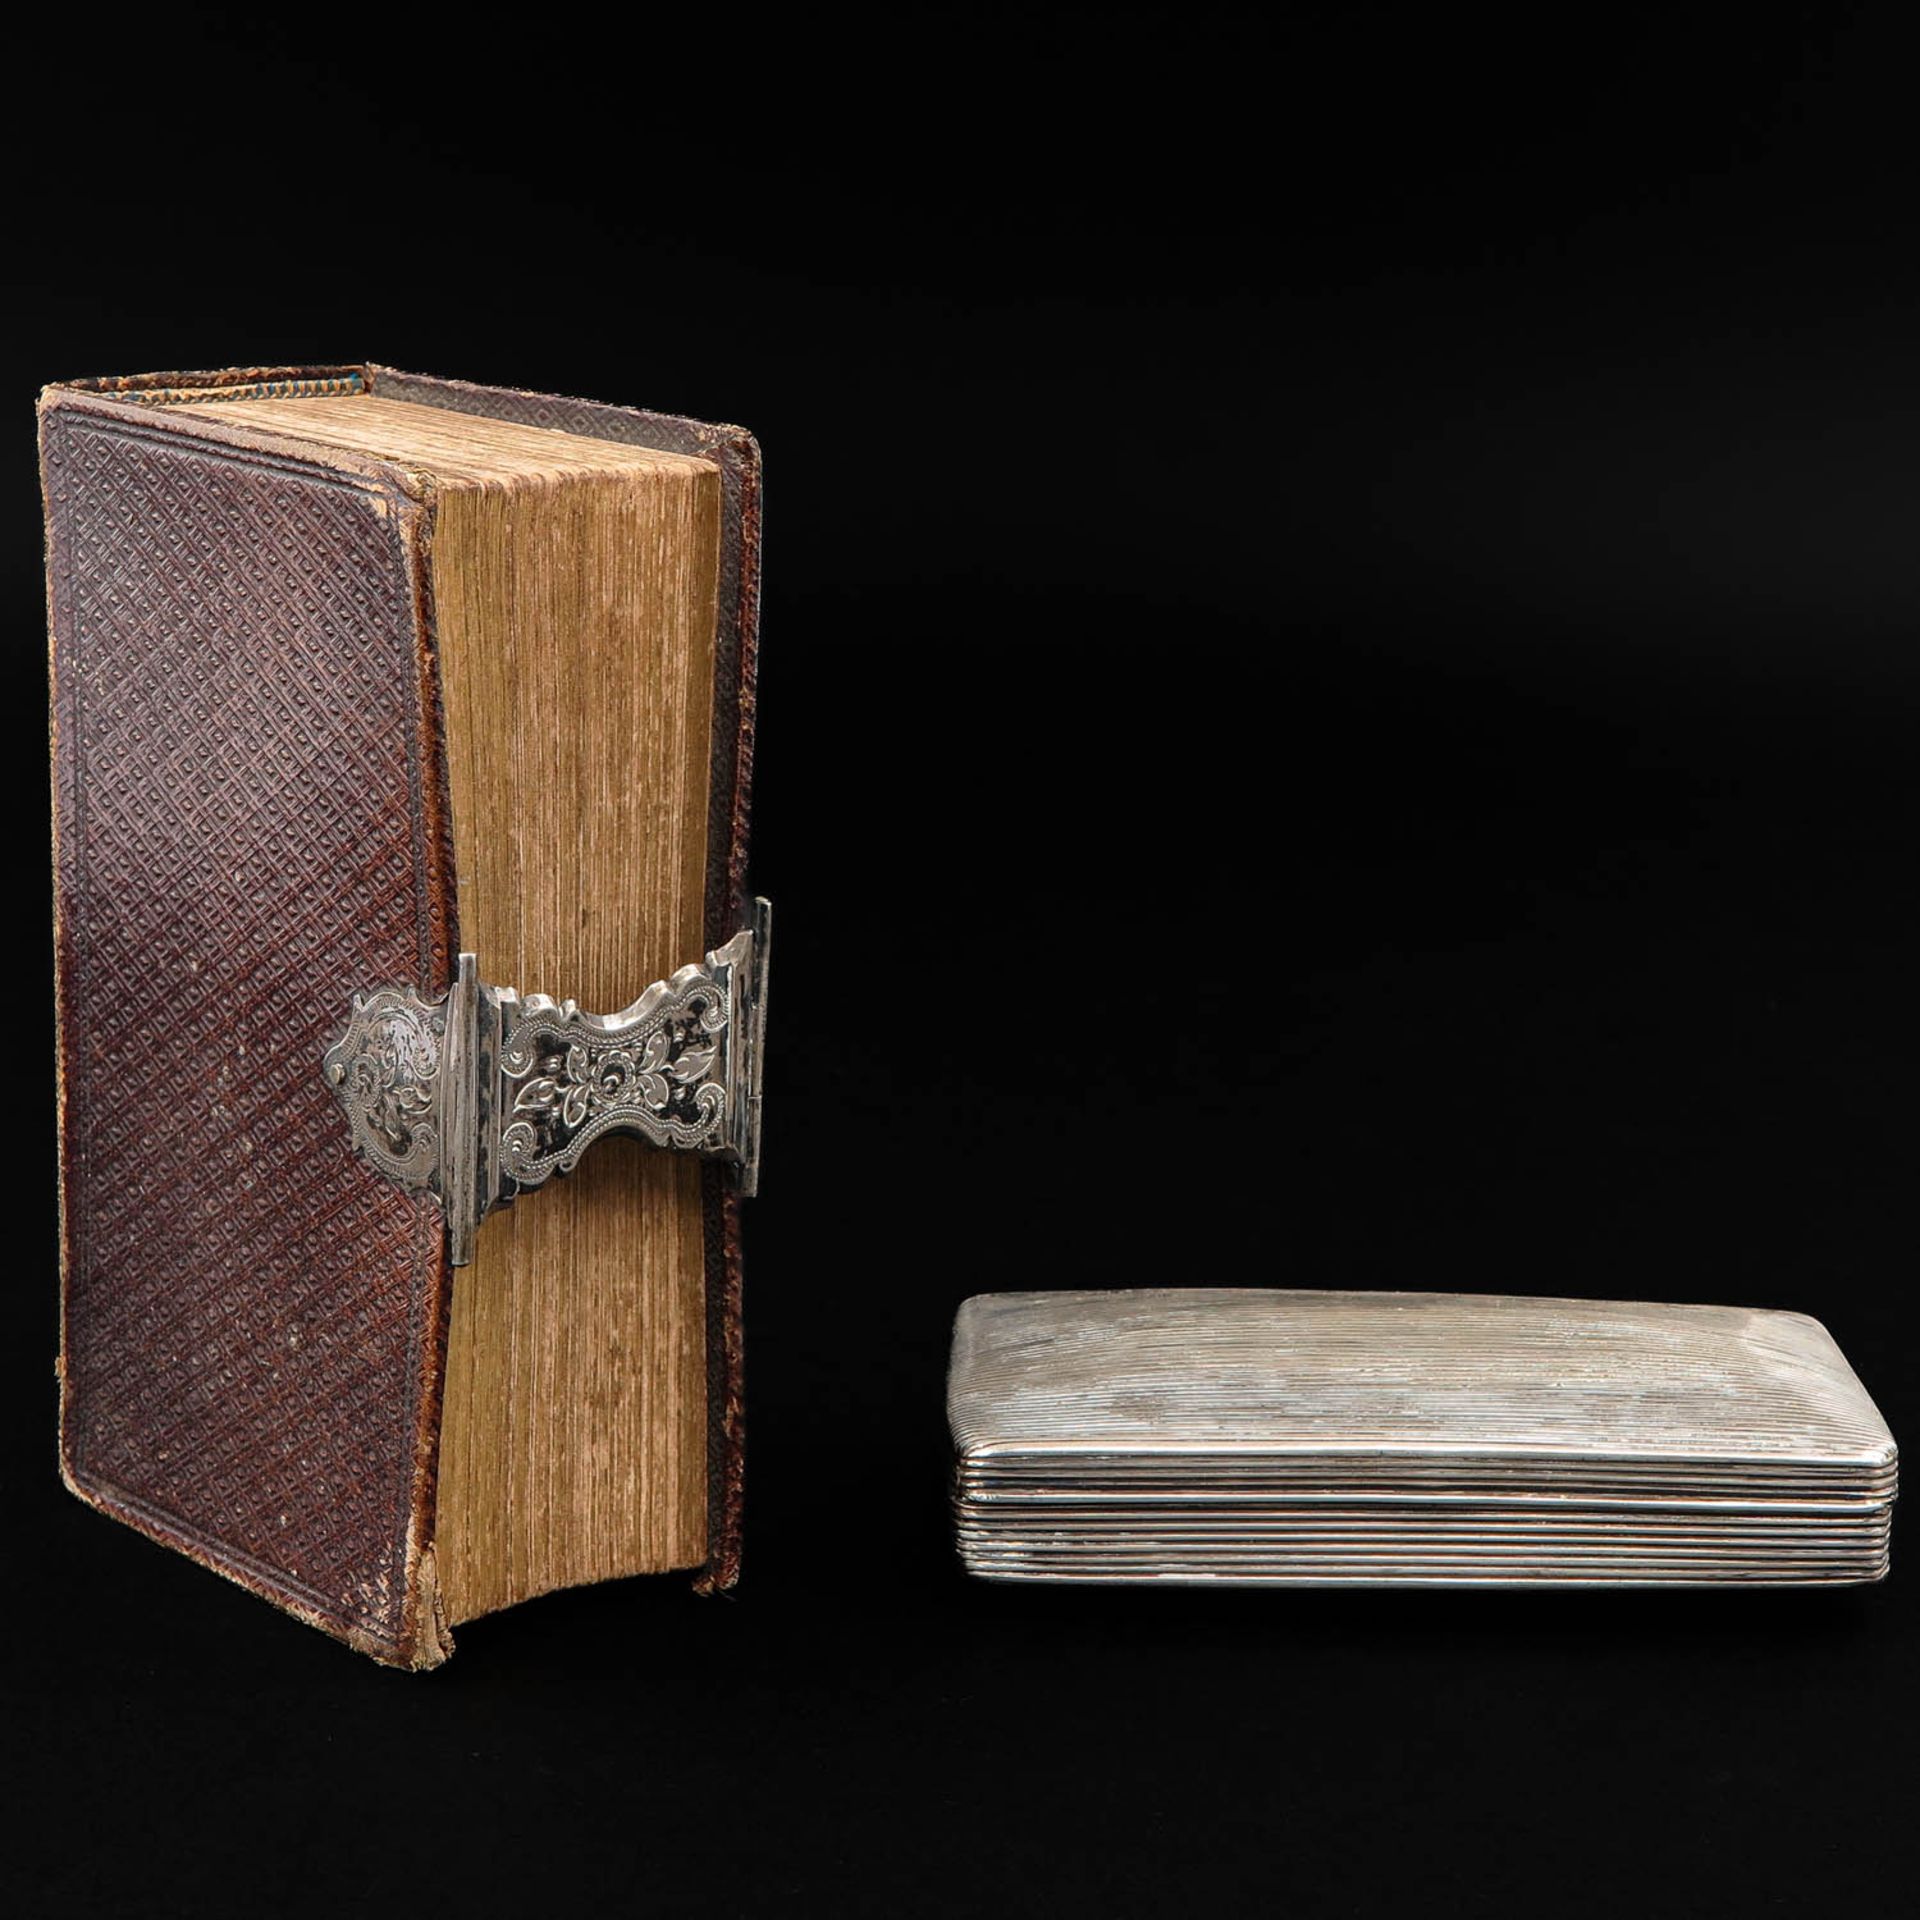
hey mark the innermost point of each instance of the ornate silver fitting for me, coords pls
(479, 1095)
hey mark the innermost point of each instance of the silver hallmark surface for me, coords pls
(480, 1095)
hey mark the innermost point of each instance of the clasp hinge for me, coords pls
(480, 1095)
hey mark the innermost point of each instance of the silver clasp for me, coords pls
(480, 1095)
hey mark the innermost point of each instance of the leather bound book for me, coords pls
(401, 736)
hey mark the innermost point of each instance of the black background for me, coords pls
(1339, 707)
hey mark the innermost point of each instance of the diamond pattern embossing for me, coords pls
(246, 792)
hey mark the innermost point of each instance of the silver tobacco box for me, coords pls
(1263, 1436)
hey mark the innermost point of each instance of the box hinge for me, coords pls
(480, 1095)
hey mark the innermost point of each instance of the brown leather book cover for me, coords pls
(251, 817)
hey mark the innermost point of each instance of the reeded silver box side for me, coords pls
(1269, 1435)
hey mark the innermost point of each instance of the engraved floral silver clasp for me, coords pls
(480, 1094)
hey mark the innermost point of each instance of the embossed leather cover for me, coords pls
(249, 811)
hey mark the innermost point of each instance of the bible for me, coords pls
(402, 731)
